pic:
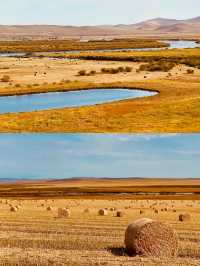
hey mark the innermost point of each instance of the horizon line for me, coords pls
(98, 25)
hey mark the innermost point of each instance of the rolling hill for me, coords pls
(153, 27)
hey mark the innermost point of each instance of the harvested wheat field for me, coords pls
(34, 236)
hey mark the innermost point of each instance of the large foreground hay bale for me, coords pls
(103, 212)
(151, 238)
(184, 217)
(63, 212)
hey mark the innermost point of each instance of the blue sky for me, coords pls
(92, 12)
(35, 156)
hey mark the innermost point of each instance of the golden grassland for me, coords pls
(190, 57)
(35, 236)
(130, 188)
(165, 53)
(175, 109)
(71, 45)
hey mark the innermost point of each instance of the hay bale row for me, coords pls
(103, 212)
(63, 212)
(184, 217)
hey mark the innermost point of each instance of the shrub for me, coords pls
(104, 70)
(190, 71)
(164, 66)
(82, 72)
(5, 78)
(114, 71)
(128, 69)
(92, 72)
(121, 69)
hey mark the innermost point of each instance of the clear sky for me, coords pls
(33, 156)
(93, 12)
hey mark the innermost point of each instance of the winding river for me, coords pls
(54, 100)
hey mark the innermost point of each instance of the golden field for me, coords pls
(30, 46)
(35, 236)
(175, 109)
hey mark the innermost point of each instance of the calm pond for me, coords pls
(38, 156)
(44, 101)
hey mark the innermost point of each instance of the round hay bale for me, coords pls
(103, 212)
(184, 217)
(147, 237)
(120, 213)
(156, 211)
(49, 208)
(13, 209)
(63, 212)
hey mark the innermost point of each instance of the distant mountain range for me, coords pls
(153, 27)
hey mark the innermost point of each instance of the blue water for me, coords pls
(183, 44)
(11, 54)
(44, 101)
(38, 156)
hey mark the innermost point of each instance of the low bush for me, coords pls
(163, 66)
(82, 73)
(92, 72)
(190, 71)
(128, 69)
(116, 70)
(5, 78)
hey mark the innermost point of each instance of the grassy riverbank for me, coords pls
(189, 57)
(71, 45)
(175, 109)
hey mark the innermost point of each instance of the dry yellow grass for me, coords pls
(69, 45)
(166, 53)
(175, 109)
(33, 236)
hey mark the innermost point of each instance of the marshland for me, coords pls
(167, 72)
